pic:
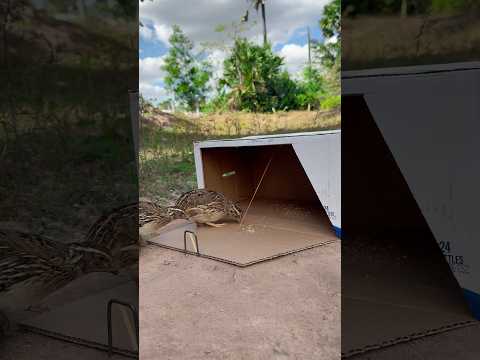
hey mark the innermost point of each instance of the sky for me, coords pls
(287, 22)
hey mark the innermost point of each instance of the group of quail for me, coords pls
(201, 206)
(111, 244)
(35, 266)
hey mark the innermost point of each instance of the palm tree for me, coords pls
(257, 5)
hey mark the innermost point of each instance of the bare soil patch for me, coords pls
(194, 308)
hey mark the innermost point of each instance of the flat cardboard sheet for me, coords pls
(384, 305)
(270, 229)
(84, 321)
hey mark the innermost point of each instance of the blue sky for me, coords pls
(287, 23)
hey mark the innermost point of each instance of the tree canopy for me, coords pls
(329, 51)
(254, 77)
(250, 72)
(187, 75)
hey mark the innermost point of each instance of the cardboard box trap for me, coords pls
(284, 216)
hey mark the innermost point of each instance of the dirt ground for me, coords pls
(288, 308)
(462, 344)
(195, 308)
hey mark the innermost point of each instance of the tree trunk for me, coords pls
(264, 23)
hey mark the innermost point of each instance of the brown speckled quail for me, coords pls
(34, 266)
(116, 233)
(208, 207)
(161, 215)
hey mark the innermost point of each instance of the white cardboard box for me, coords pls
(429, 117)
(317, 152)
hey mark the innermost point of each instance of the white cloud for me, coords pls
(152, 92)
(215, 59)
(151, 76)
(295, 56)
(163, 32)
(146, 32)
(199, 18)
(150, 69)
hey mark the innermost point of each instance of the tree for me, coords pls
(259, 4)
(187, 76)
(329, 51)
(327, 54)
(250, 72)
(312, 88)
(285, 92)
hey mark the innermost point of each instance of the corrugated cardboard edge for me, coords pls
(79, 341)
(242, 265)
(408, 338)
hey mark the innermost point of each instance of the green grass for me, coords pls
(61, 185)
(167, 166)
(65, 132)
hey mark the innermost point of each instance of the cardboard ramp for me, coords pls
(84, 320)
(270, 229)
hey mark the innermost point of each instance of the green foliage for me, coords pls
(254, 79)
(331, 19)
(329, 51)
(318, 84)
(331, 102)
(312, 88)
(285, 90)
(252, 73)
(218, 103)
(164, 105)
(187, 76)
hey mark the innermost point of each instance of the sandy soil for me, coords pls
(194, 308)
